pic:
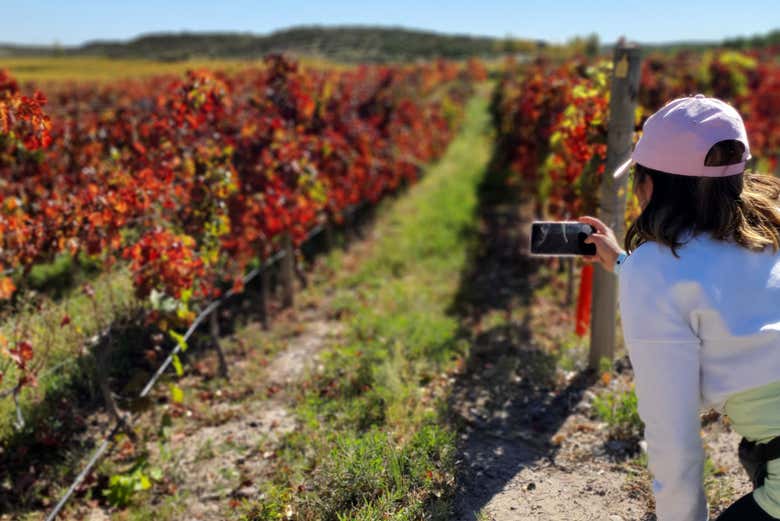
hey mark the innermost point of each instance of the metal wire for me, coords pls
(204, 314)
(213, 306)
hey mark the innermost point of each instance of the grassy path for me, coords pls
(338, 412)
(453, 387)
(374, 440)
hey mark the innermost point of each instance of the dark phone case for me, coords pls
(561, 238)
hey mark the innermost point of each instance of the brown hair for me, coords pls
(744, 208)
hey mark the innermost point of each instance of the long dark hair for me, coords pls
(744, 208)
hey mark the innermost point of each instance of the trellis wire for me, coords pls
(213, 306)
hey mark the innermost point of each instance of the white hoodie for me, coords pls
(698, 329)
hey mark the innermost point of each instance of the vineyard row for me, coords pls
(193, 180)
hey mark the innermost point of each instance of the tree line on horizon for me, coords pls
(349, 44)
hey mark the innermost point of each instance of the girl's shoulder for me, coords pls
(655, 258)
(690, 248)
(649, 254)
(700, 256)
(650, 264)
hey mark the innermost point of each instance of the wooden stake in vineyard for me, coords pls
(612, 198)
(288, 270)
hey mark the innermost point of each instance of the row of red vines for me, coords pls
(191, 179)
(551, 119)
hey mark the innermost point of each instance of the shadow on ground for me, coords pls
(506, 404)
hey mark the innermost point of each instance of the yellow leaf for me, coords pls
(177, 395)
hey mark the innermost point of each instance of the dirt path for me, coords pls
(530, 447)
(216, 458)
(221, 462)
(225, 439)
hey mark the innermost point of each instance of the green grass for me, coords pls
(619, 410)
(374, 444)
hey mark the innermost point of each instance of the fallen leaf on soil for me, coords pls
(127, 449)
(584, 427)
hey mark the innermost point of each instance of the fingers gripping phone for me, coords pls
(561, 238)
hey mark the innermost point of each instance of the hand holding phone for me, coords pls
(607, 247)
(561, 238)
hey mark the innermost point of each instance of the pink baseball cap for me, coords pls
(677, 138)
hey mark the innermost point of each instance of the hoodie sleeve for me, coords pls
(664, 352)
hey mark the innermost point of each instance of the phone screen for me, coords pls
(562, 238)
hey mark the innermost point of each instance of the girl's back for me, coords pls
(727, 295)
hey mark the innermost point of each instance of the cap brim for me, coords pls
(623, 169)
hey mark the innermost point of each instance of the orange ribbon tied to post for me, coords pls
(584, 301)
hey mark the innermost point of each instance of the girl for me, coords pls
(700, 302)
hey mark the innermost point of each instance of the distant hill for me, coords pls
(345, 43)
(770, 39)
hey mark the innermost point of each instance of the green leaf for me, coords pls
(156, 473)
(179, 340)
(186, 294)
(183, 310)
(177, 366)
(177, 395)
(143, 483)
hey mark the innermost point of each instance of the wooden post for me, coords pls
(357, 224)
(102, 354)
(265, 295)
(329, 236)
(214, 331)
(301, 274)
(612, 197)
(288, 269)
(348, 225)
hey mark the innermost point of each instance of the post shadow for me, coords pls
(506, 404)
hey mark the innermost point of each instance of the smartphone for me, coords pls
(561, 238)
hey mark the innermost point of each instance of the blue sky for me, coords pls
(75, 21)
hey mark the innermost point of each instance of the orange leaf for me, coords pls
(7, 287)
(25, 350)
